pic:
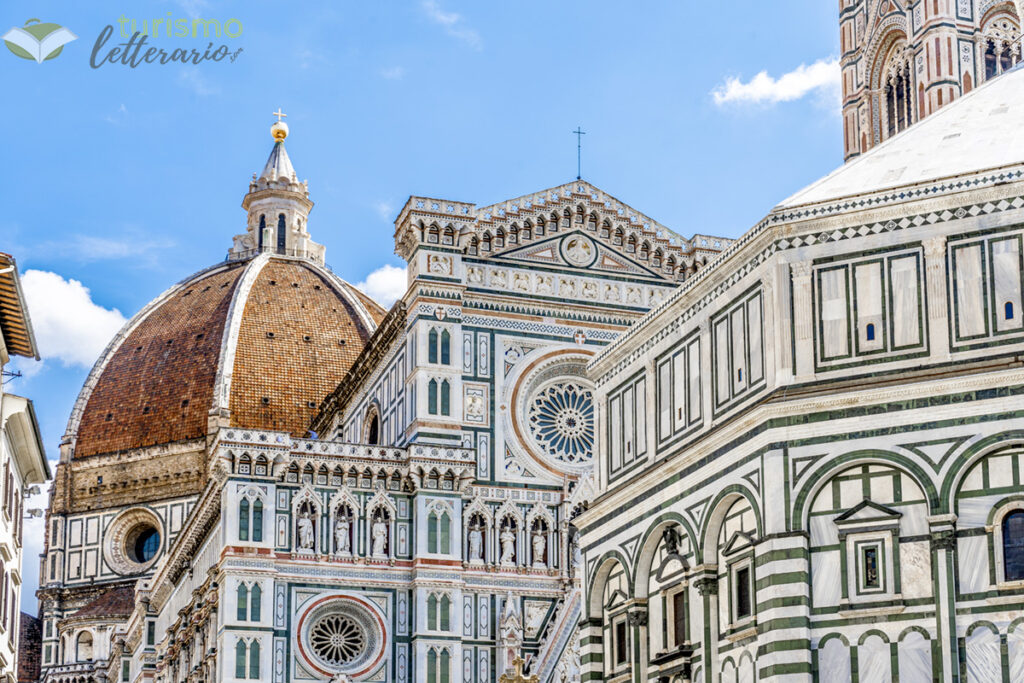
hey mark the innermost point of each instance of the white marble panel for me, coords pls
(970, 301)
(746, 672)
(834, 662)
(973, 512)
(906, 309)
(874, 661)
(1006, 277)
(916, 569)
(914, 521)
(850, 493)
(826, 581)
(740, 371)
(1015, 651)
(882, 490)
(915, 657)
(755, 339)
(693, 355)
(834, 313)
(868, 290)
(973, 564)
(823, 530)
(1000, 469)
(722, 361)
(983, 658)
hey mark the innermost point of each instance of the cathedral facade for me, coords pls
(811, 457)
(267, 477)
(902, 60)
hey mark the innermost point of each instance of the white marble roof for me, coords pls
(982, 130)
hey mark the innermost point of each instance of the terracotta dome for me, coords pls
(254, 343)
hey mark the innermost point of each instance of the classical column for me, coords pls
(706, 584)
(803, 320)
(637, 617)
(591, 649)
(937, 300)
(943, 545)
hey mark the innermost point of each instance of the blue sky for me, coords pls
(118, 182)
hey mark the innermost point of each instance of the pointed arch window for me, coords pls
(432, 397)
(243, 520)
(446, 348)
(281, 236)
(432, 613)
(446, 390)
(445, 610)
(263, 226)
(240, 659)
(432, 666)
(242, 599)
(257, 521)
(445, 533)
(255, 599)
(432, 522)
(432, 346)
(254, 660)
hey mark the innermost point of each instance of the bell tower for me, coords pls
(902, 61)
(278, 207)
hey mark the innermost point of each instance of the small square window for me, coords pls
(869, 560)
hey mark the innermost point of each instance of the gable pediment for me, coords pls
(576, 249)
(739, 541)
(868, 511)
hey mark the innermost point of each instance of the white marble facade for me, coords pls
(825, 482)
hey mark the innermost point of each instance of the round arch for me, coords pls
(649, 545)
(819, 478)
(963, 463)
(712, 526)
(604, 566)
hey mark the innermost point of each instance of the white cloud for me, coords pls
(69, 326)
(119, 116)
(197, 83)
(385, 285)
(193, 8)
(822, 77)
(453, 24)
(86, 248)
(392, 73)
(386, 210)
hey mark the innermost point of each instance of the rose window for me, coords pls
(561, 421)
(337, 639)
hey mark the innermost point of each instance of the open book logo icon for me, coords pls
(38, 41)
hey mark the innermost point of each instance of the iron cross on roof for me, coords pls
(279, 114)
(579, 133)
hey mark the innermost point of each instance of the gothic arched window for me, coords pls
(243, 520)
(432, 397)
(242, 600)
(1013, 545)
(446, 408)
(257, 521)
(432, 346)
(281, 241)
(1008, 310)
(446, 348)
(254, 660)
(373, 433)
(240, 659)
(255, 599)
(869, 333)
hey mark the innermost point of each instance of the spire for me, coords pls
(278, 207)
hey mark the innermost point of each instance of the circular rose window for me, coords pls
(337, 639)
(561, 421)
(551, 403)
(342, 634)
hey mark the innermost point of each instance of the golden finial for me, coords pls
(280, 129)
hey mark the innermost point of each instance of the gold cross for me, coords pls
(518, 676)
(279, 114)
